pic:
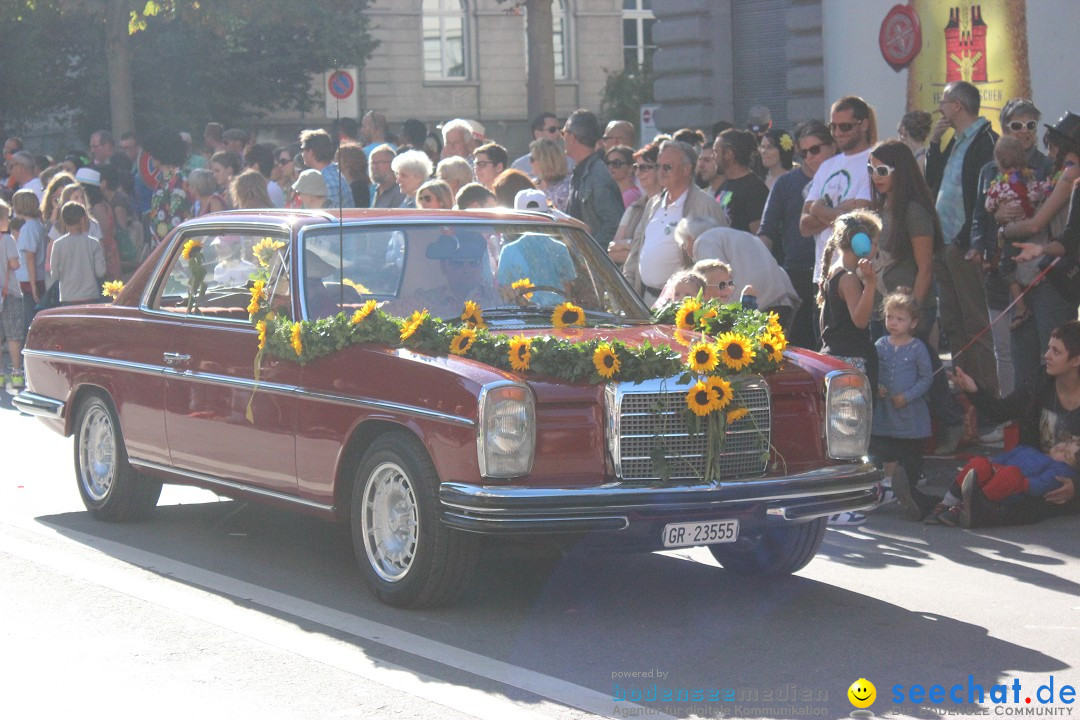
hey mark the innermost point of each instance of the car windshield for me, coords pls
(517, 273)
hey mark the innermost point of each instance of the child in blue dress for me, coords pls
(901, 415)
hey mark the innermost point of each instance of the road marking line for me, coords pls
(252, 623)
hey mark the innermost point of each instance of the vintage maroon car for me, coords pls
(424, 454)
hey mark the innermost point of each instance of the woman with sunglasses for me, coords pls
(645, 170)
(620, 163)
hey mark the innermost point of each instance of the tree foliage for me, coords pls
(625, 91)
(192, 60)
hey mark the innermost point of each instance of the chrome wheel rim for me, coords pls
(97, 453)
(390, 522)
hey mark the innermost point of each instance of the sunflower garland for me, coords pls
(684, 317)
(472, 314)
(365, 310)
(258, 295)
(410, 326)
(297, 343)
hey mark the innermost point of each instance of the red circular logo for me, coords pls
(900, 37)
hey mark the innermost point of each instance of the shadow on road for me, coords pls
(584, 617)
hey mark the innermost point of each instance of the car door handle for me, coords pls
(175, 358)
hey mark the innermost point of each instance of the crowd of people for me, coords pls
(882, 252)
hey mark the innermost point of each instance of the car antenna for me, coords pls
(341, 218)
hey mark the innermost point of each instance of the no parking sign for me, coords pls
(342, 97)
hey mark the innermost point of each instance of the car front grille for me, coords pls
(651, 416)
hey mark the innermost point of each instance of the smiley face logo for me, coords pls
(862, 693)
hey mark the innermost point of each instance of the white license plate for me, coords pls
(701, 533)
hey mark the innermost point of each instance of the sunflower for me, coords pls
(723, 390)
(774, 324)
(702, 357)
(736, 415)
(701, 400)
(358, 287)
(780, 339)
(520, 352)
(365, 310)
(472, 314)
(463, 341)
(258, 294)
(297, 344)
(189, 247)
(264, 250)
(112, 288)
(410, 326)
(772, 348)
(683, 337)
(735, 350)
(523, 283)
(605, 360)
(261, 327)
(567, 314)
(706, 316)
(684, 317)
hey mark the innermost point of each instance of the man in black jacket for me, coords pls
(953, 176)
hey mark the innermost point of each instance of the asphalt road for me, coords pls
(217, 608)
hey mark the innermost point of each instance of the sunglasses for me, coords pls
(1017, 126)
(812, 150)
(879, 170)
(844, 127)
(617, 164)
(552, 130)
(483, 163)
(284, 161)
(644, 167)
(725, 284)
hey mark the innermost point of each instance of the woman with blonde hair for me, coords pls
(435, 195)
(247, 191)
(50, 205)
(551, 171)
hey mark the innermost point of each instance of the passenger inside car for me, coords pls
(465, 275)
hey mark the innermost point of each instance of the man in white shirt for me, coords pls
(654, 254)
(842, 183)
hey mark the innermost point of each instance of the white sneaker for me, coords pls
(994, 437)
(847, 519)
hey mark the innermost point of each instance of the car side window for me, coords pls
(211, 275)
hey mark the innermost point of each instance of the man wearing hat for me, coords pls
(466, 268)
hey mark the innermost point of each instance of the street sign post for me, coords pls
(342, 96)
(648, 123)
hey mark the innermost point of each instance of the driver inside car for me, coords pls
(465, 274)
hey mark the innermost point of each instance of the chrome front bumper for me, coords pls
(39, 405)
(618, 506)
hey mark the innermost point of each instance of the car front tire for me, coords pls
(408, 557)
(110, 488)
(777, 550)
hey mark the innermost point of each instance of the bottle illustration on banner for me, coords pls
(965, 45)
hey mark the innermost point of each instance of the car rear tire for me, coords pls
(110, 488)
(408, 557)
(777, 550)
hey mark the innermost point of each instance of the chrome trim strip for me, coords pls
(212, 480)
(618, 498)
(233, 382)
(142, 368)
(391, 406)
(39, 405)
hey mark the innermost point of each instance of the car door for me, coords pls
(219, 421)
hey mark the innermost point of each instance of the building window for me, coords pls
(638, 46)
(446, 40)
